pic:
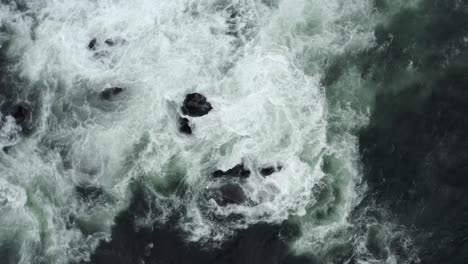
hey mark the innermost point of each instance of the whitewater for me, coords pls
(261, 64)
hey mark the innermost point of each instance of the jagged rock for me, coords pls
(184, 126)
(238, 171)
(108, 93)
(195, 105)
(230, 194)
(266, 171)
(92, 44)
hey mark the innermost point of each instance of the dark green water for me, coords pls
(414, 149)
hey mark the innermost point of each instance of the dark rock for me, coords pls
(108, 93)
(218, 174)
(195, 105)
(92, 44)
(184, 126)
(266, 171)
(110, 42)
(237, 171)
(230, 194)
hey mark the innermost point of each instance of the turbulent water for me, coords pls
(358, 104)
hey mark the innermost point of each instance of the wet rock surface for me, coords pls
(104, 51)
(110, 93)
(109, 42)
(238, 171)
(92, 44)
(184, 126)
(196, 105)
(267, 171)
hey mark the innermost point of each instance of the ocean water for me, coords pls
(359, 104)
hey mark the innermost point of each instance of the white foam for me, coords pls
(11, 196)
(269, 107)
(9, 132)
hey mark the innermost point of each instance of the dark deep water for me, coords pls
(413, 155)
(414, 149)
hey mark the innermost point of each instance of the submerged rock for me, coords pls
(88, 192)
(230, 194)
(233, 21)
(21, 112)
(271, 3)
(101, 54)
(238, 171)
(195, 105)
(7, 149)
(108, 93)
(115, 41)
(184, 126)
(266, 171)
(109, 42)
